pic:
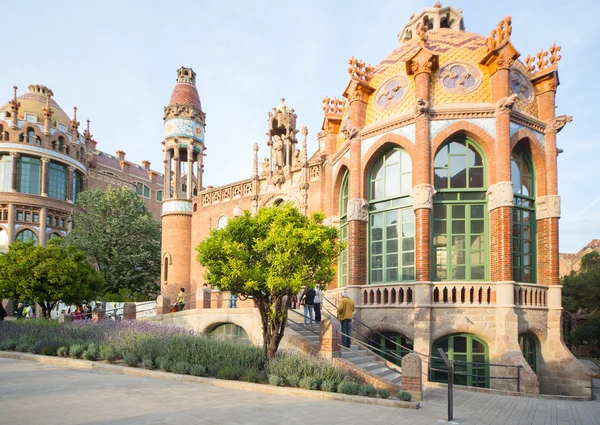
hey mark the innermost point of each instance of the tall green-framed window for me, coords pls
(391, 219)
(27, 236)
(30, 175)
(521, 172)
(343, 258)
(460, 243)
(57, 181)
(159, 195)
(5, 169)
(527, 344)
(391, 346)
(142, 190)
(470, 356)
(76, 185)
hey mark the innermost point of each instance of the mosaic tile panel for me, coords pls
(514, 127)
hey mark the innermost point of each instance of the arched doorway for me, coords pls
(230, 332)
(391, 346)
(471, 360)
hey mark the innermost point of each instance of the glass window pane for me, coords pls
(393, 157)
(458, 272)
(459, 257)
(377, 190)
(376, 248)
(458, 226)
(458, 211)
(477, 211)
(441, 178)
(460, 345)
(376, 262)
(458, 174)
(439, 226)
(406, 182)
(408, 230)
(376, 276)
(457, 148)
(391, 261)
(408, 215)
(392, 180)
(458, 242)
(441, 158)
(391, 275)
(406, 164)
(477, 242)
(408, 259)
(515, 176)
(391, 246)
(478, 272)
(475, 177)
(408, 244)
(439, 211)
(477, 257)
(477, 226)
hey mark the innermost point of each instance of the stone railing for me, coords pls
(395, 294)
(464, 293)
(226, 193)
(530, 295)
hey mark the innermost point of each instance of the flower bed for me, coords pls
(178, 350)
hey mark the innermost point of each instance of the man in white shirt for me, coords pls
(317, 303)
(31, 311)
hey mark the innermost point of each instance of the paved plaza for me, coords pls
(32, 393)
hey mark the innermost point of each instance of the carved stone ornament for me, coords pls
(358, 209)
(421, 107)
(459, 77)
(391, 92)
(506, 104)
(547, 207)
(557, 124)
(422, 195)
(349, 130)
(499, 195)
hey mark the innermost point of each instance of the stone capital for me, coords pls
(422, 195)
(358, 209)
(500, 195)
(45, 159)
(547, 207)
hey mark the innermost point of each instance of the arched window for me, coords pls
(29, 175)
(391, 219)
(230, 332)
(27, 236)
(459, 213)
(391, 346)
(528, 348)
(278, 202)
(521, 172)
(223, 220)
(5, 170)
(57, 181)
(31, 136)
(343, 258)
(61, 143)
(470, 356)
(166, 278)
(3, 240)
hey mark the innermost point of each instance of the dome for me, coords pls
(34, 102)
(185, 92)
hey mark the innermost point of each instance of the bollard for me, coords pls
(129, 311)
(412, 379)
(330, 338)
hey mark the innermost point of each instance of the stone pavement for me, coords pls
(32, 393)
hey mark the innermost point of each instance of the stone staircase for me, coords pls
(357, 359)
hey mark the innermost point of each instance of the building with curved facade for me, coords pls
(439, 167)
(45, 162)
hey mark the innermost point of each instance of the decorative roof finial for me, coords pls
(542, 61)
(333, 106)
(501, 34)
(255, 163)
(554, 57)
(529, 63)
(359, 70)
(15, 88)
(437, 5)
(422, 33)
(304, 148)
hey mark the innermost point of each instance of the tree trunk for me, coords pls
(273, 314)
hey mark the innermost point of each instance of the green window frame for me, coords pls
(529, 350)
(57, 181)
(5, 171)
(143, 190)
(391, 346)
(30, 175)
(230, 332)
(524, 222)
(343, 258)
(460, 218)
(391, 219)
(159, 195)
(27, 236)
(470, 357)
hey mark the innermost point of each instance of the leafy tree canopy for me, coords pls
(269, 257)
(48, 274)
(117, 232)
(581, 290)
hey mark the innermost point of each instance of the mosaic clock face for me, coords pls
(391, 91)
(183, 127)
(459, 78)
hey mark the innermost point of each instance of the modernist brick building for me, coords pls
(45, 162)
(439, 167)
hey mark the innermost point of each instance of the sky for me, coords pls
(117, 60)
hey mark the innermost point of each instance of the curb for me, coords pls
(168, 376)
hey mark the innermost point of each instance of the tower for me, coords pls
(183, 149)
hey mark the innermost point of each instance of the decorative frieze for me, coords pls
(177, 206)
(358, 209)
(547, 207)
(499, 195)
(422, 195)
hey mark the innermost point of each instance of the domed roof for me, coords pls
(185, 92)
(34, 102)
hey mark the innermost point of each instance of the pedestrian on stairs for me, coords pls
(345, 311)
(308, 298)
(317, 303)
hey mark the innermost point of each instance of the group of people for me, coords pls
(24, 312)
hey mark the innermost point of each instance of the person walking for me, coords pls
(317, 304)
(294, 302)
(3, 313)
(233, 300)
(20, 308)
(181, 299)
(308, 297)
(30, 311)
(345, 311)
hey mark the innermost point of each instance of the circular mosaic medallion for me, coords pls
(521, 86)
(391, 91)
(459, 78)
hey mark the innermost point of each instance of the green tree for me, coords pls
(269, 257)
(581, 290)
(587, 332)
(117, 232)
(47, 275)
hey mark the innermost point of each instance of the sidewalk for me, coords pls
(31, 393)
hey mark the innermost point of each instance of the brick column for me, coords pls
(45, 172)
(14, 171)
(43, 215)
(330, 339)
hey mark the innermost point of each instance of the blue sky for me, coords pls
(117, 61)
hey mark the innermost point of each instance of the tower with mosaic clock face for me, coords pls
(183, 150)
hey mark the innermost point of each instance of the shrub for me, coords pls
(276, 381)
(367, 390)
(8, 344)
(250, 375)
(91, 353)
(23, 347)
(231, 373)
(130, 359)
(198, 370)
(329, 385)
(183, 368)
(148, 363)
(289, 365)
(76, 351)
(348, 387)
(383, 393)
(48, 349)
(165, 364)
(108, 353)
(62, 351)
(309, 383)
(212, 369)
(293, 380)
(404, 396)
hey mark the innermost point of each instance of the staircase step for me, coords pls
(379, 370)
(360, 361)
(390, 376)
(397, 380)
